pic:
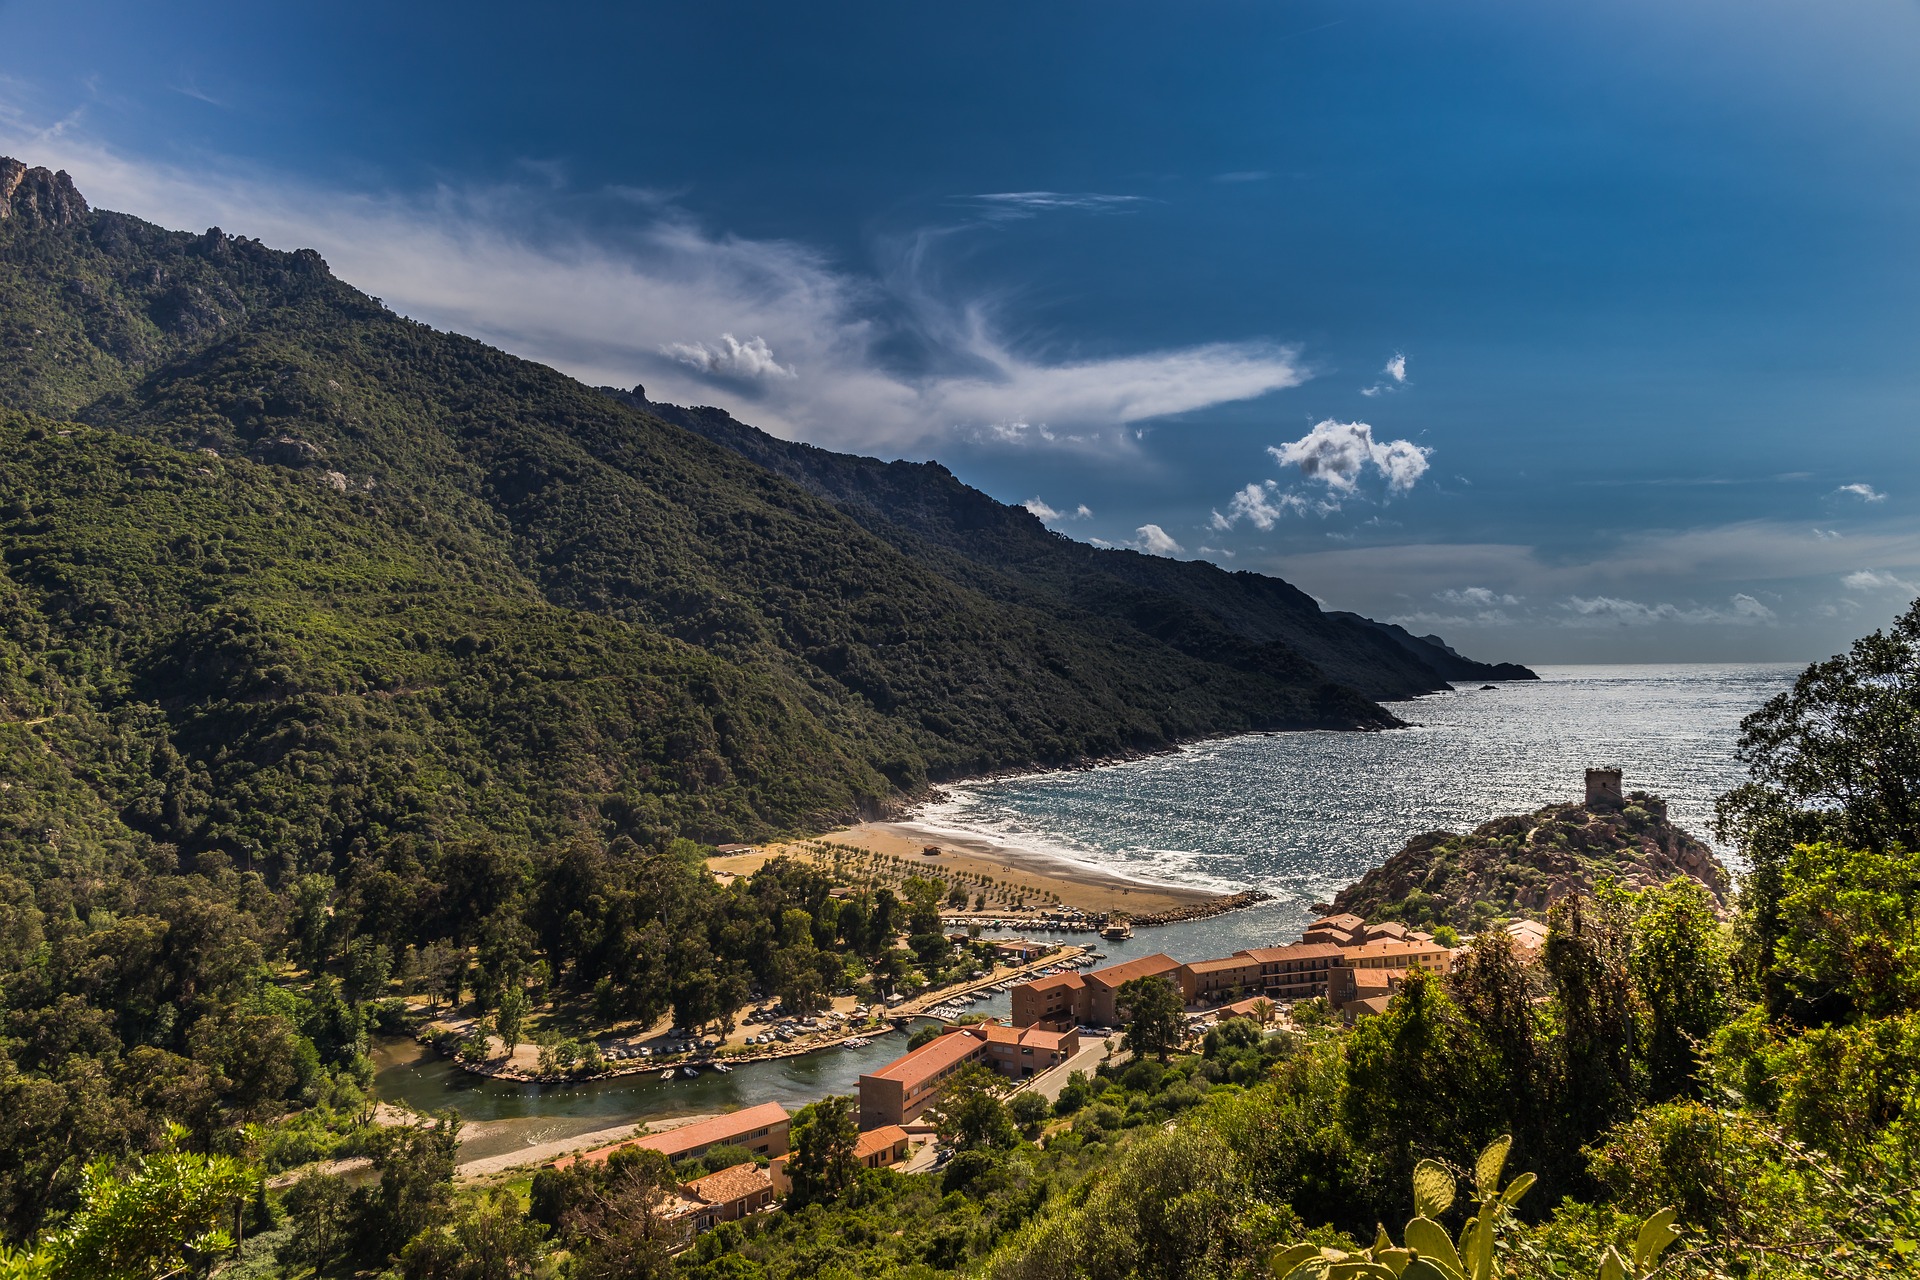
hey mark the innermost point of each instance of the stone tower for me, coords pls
(1603, 789)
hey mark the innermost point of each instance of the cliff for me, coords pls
(1521, 865)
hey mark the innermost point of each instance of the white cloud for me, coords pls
(1049, 514)
(1875, 580)
(1396, 369)
(1243, 175)
(1253, 503)
(1338, 453)
(1475, 597)
(1741, 610)
(1865, 492)
(1216, 551)
(513, 266)
(1154, 540)
(730, 358)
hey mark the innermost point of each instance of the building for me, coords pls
(1259, 1008)
(910, 1084)
(1603, 789)
(1072, 999)
(1297, 972)
(1020, 1053)
(1019, 950)
(1529, 939)
(876, 1149)
(1344, 930)
(726, 1196)
(1374, 969)
(1103, 986)
(761, 1130)
(1057, 1001)
(1211, 981)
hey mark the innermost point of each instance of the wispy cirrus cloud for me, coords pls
(617, 286)
(1005, 205)
(1876, 580)
(1740, 610)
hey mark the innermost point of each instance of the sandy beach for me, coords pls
(890, 851)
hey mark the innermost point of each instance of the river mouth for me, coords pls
(500, 1117)
(503, 1116)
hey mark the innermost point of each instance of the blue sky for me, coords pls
(1574, 334)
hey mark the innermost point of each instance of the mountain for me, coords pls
(1522, 864)
(298, 579)
(1006, 552)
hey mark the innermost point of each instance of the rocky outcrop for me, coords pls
(287, 451)
(1521, 865)
(38, 197)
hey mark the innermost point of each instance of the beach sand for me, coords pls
(890, 851)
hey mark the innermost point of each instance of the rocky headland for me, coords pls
(1518, 866)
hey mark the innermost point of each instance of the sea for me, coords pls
(1299, 815)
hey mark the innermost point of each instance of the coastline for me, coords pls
(1041, 879)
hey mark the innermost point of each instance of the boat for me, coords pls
(690, 1071)
(723, 1068)
(667, 1074)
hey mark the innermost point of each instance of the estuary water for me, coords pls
(1301, 815)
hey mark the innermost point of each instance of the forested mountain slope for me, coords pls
(1007, 553)
(532, 523)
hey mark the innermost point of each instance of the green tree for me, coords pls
(174, 1212)
(511, 1018)
(1421, 1075)
(415, 1164)
(822, 1166)
(1587, 953)
(972, 1117)
(320, 1218)
(1028, 1110)
(1835, 760)
(1680, 969)
(488, 1238)
(1155, 1016)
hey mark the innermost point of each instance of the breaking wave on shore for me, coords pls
(1302, 814)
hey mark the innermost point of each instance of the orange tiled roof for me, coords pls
(736, 1182)
(930, 1058)
(1294, 951)
(1119, 975)
(872, 1141)
(1241, 960)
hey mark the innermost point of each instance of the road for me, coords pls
(1049, 1083)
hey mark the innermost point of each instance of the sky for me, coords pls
(1570, 333)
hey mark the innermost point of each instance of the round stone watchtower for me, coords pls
(1603, 789)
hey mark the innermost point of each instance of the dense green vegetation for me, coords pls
(1761, 1087)
(1515, 866)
